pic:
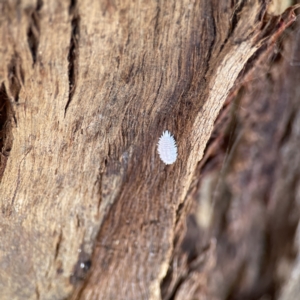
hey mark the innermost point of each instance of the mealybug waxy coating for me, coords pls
(167, 148)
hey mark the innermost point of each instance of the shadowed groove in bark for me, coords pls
(81, 268)
(73, 52)
(234, 20)
(33, 31)
(15, 77)
(5, 128)
(214, 30)
(58, 244)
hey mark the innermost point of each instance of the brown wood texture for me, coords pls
(88, 210)
(242, 239)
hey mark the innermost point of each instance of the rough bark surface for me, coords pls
(88, 210)
(242, 239)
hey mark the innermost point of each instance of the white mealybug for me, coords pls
(167, 148)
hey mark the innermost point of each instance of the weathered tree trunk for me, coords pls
(88, 210)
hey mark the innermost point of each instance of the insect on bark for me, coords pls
(167, 148)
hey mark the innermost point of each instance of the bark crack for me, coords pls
(15, 77)
(81, 268)
(33, 31)
(233, 22)
(73, 52)
(58, 245)
(6, 138)
(212, 44)
(199, 262)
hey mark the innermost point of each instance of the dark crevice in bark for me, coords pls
(288, 129)
(58, 245)
(99, 184)
(234, 21)
(72, 6)
(179, 212)
(15, 77)
(73, 52)
(275, 25)
(167, 280)
(39, 5)
(81, 268)
(6, 139)
(212, 44)
(198, 255)
(186, 245)
(176, 287)
(167, 294)
(33, 31)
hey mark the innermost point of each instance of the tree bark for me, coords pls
(88, 210)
